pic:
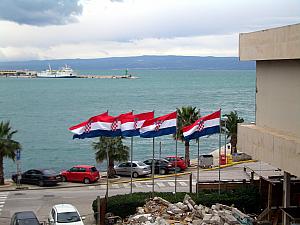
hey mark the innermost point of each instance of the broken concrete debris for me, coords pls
(158, 211)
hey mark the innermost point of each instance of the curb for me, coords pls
(150, 178)
(28, 188)
(9, 186)
(231, 164)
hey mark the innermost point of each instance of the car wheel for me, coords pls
(162, 171)
(63, 179)
(86, 180)
(178, 169)
(135, 174)
(41, 183)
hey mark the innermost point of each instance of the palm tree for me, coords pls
(8, 146)
(186, 116)
(116, 152)
(231, 127)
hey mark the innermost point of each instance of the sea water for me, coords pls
(42, 110)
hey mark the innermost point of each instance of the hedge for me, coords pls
(245, 199)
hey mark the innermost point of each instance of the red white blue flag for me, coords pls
(131, 124)
(159, 126)
(101, 125)
(206, 125)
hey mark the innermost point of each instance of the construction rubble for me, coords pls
(158, 211)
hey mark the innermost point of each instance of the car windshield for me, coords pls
(68, 217)
(49, 172)
(28, 222)
(93, 169)
(164, 161)
(170, 159)
(141, 164)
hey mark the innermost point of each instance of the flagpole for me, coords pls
(176, 153)
(160, 150)
(153, 169)
(176, 149)
(198, 161)
(131, 156)
(220, 155)
(225, 139)
(198, 165)
(107, 158)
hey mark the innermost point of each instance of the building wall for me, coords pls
(271, 44)
(278, 95)
(275, 138)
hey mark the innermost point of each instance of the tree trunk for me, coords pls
(187, 153)
(111, 171)
(233, 142)
(1, 170)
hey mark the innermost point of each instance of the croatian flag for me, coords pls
(160, 126)
(206, 125)
(131, 124)
(96, 126)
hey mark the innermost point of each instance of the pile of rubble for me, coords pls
(158, 211)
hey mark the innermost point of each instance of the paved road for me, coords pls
(41, 200)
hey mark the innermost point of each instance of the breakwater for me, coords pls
(22, 75)
(107, 76)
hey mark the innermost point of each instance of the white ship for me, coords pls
(64, 72)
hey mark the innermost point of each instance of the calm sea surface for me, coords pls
(42, 110)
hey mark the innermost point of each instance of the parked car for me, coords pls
(180, 161)
(161, 166)
(24, 218)
(65, 214)
(81, 173)
(138, 169)
(39, 177)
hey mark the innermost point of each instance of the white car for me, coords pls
(65, 214)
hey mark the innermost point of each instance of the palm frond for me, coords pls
(185, 116)
(116, 150)
(8, 146)
(231, 127)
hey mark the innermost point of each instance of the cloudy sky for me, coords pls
(56, 29)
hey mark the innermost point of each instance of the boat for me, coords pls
(64, 72)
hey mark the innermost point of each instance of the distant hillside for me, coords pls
(137, 62)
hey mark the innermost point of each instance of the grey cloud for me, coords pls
(117, 0)
(40, 12)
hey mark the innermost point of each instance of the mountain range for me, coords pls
(136, 62)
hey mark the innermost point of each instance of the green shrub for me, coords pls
(245, 199)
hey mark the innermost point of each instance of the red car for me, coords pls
(81, 173)
(180, 161)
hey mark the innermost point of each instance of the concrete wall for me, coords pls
(278, 95)
(276, 43)
(271, 146)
